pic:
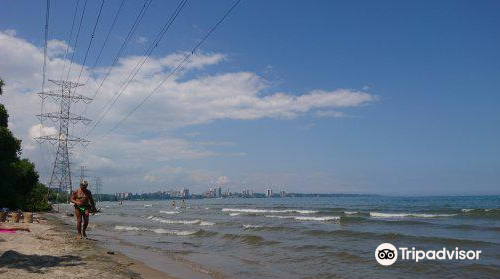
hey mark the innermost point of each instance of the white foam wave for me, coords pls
(128, 228)
(173, 232)
(159, 231)
(234, 214)
(148, 205)
(305, 218)
(466, 210)
(185, 222)
(255, 210)
(169, 212)
(406, 215)
(324, 218)
(247, 226)
(350, 212)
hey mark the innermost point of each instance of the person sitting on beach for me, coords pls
(84, 204)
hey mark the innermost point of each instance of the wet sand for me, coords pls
(50, 250)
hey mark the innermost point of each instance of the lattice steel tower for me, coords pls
(61, 171)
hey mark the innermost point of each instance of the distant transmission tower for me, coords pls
(97, 188)
(61, 171)
(82, 173)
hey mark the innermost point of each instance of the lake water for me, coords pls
(310, 237)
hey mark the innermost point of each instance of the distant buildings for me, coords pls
(282, 194)
(123, 195)
(246, 193)
(184, 193)
(213, 193)
(269, 193)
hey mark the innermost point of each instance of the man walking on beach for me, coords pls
(84, 204)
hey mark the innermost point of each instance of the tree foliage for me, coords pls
(19, 186)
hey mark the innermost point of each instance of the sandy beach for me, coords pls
(50, 250)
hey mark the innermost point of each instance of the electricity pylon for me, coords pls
(61, 171)
(82, 173)
(97, 188)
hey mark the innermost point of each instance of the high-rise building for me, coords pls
(246, 193)
(218, 192)
(269, 192)
(282, 193)
(185, 193)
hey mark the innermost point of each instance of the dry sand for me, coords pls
(50, 250)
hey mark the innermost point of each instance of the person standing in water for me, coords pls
(84, 204)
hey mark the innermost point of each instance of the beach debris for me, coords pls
(111, 253)
(70, 214)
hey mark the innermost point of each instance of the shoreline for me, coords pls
(51, 250)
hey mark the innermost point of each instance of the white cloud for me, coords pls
(142, 40)
(146, 139)
(39, 130)
(197, 61)
(57, 48)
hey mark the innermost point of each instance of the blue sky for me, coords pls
(432, 68)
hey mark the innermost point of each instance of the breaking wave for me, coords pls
(158, 231)
(406, 215)
(481, 212)
(185, 222)
(169, 212)
(306, 218)
(255, 210)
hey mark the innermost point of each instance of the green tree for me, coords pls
(19, 186)
(37, 199)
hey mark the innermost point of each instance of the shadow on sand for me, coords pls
(36, 263)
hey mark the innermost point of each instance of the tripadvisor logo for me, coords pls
(387, 254)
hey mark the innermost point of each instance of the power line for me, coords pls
(46, 36)
(91, 39)
(47, 17)
(106, 39)
(138, 67)
(70, 37)
(138, 19)
(100, 53)
(76, 40)
(174, 70)
(130, 33)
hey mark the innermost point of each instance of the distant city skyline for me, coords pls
(388, 97)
